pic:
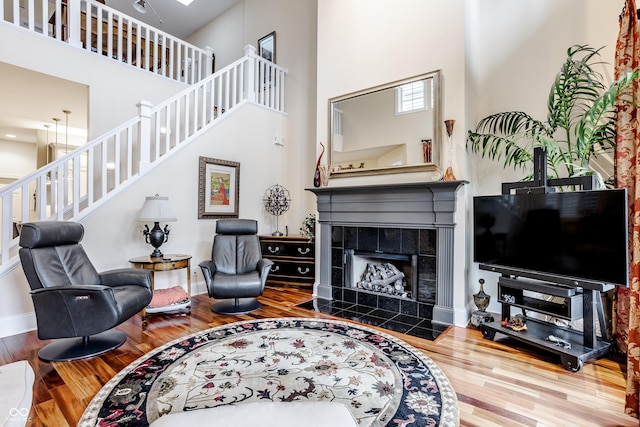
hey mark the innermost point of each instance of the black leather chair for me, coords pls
(236, 272)
(71, 299)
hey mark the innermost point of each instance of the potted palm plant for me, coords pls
(580, 121)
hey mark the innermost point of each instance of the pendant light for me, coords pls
(47, 142)
(55, 119)
(46, 146)
(66, 132)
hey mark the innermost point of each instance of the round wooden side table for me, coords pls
(168, 262)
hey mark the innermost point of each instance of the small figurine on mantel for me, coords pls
(481, 300)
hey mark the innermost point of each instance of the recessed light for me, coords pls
(185, 2)
(10, 135)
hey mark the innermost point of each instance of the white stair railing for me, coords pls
(111, 34)
(71, 187)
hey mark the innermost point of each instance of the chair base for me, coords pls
(80, 348)
(236, 306)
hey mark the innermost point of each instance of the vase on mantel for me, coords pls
(317, 176)
(448, 174)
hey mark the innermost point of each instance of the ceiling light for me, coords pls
(185, 2)
(141, 7)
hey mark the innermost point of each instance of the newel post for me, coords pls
(73, 22)
(144, 135)
(209, 63)
(250, 53)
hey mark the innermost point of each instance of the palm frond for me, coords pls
(597, 127)
(576, 86)
(503, 134)
(580, 120)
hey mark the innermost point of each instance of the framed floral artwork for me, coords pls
(218, 188)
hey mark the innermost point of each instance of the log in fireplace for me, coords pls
(383, 273)
(410, 225)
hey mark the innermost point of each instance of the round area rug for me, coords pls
(382, 380)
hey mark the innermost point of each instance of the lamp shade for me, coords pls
(156, 209)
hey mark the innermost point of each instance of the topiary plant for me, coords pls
(580, 121)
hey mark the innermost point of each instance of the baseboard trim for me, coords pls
(15, 325)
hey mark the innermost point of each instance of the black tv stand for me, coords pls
(571, 303)
(574, 302)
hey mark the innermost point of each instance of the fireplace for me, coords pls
(409, 225)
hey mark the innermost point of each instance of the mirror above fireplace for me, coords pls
(392, 128)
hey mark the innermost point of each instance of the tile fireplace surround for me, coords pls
(410, 221)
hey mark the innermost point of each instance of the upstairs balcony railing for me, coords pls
(74, 185)
(99, 29)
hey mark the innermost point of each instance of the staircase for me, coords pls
(110, 33)
(75, 185)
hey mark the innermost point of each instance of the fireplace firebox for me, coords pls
(383, 273)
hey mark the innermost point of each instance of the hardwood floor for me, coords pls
(496, 384)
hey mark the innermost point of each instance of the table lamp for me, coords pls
(156, 209)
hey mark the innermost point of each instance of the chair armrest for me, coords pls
(126, 276)
(208, 270)
(264, 267)
(74, 311)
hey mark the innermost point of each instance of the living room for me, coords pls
(494, 56)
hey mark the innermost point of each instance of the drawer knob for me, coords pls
(274, 268)
(304, 251)
(305, 271)
(273, 250)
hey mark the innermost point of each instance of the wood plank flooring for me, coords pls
(497, 384)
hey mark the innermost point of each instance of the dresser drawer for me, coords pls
(294, 270)
(272, 248)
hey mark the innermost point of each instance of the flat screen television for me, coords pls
(574, 238)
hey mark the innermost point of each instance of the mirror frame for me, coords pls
(418, 167)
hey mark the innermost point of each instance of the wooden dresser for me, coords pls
(293, 260)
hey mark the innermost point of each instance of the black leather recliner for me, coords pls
(71, 299)
(236, 273)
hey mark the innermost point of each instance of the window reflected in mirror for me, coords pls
(387, 129)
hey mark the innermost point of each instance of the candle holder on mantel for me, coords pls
(448, 174)
(481, 300)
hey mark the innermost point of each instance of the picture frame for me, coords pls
(218, 188)
(267, 47)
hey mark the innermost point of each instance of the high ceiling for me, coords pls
(23, 116)
(177, 19)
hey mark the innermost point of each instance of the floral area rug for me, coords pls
(381, 379)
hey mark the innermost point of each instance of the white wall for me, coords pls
(495, 55)
(16, 159)
(515, 50)
(366, 43)
(294, 22)
(114, 88)
(112, 235)
(224, 35)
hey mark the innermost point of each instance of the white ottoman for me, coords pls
(264, 414)
(16, 392)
